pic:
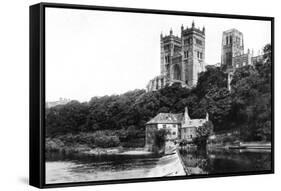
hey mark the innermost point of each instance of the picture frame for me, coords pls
(38, 101)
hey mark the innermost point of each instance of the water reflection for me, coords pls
(73, 167)
(62, 167)
(225, 161)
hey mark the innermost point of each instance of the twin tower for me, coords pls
(182, 58)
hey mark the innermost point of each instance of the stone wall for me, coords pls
(149, 136)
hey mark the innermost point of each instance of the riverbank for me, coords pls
(241, 145)
(59, 144)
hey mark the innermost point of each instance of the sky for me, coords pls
(96, 53)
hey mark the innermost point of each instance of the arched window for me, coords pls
(176, 73)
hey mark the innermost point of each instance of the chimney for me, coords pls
(186, 116)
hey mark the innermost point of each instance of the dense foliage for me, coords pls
(247, 107)
(202, 133)
(251, 97)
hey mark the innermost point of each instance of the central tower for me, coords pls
(232, 46)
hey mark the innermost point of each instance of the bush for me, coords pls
(107, 141)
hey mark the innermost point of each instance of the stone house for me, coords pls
(179, 126)
(189, 126)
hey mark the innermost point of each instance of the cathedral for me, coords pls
(182, 58)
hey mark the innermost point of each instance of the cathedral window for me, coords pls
(157, 86)
(230, 40)
(198, 41)
(185, 54)
(187, 41)
(167, 47)
(238, 40)
(199, 55)
(167, 59)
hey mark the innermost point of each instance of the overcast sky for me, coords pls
(95, 53)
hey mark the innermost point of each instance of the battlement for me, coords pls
(232, 31)
(170, 38)
(192, 30)
(184, 32)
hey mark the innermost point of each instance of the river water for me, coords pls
(63, 168)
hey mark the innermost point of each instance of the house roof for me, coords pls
(194, 123)
(166, 118)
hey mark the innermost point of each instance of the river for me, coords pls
(66, 168)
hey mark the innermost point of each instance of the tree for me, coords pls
(159, 140)
(202, 134)
(217, 102)
(69, 118)
(213, 77)
(251, 99)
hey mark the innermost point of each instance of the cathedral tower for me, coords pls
(193, 51)
(232, 46)
(182, 58)
(170, 57)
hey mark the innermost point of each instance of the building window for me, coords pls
(174, 125)
(185, 54)
(174, 133)
(199, 55)
(167, 59)
(167, 47)
(164, 126)
(198, 41)
(187, 41)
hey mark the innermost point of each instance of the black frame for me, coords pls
(37, 92)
